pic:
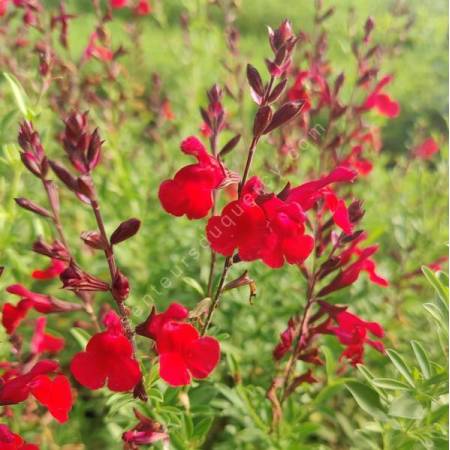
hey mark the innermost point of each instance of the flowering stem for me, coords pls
(139, 390)
(87, 304)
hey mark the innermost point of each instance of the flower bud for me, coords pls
(120, 287)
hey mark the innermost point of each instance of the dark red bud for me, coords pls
(63, 174)
(262, 120)
(33, 207)
(94, 239)
(230, 145)
(277, 91)
(125, 230)
(85, 186)
(120, 287)
(287, 112)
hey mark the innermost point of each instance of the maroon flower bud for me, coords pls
(120, 287)
(286, 112)
(73, 278)
(125, 230)
(94, 240)
(55, 250)
(262, 120)
(356, 211)
(33, 207)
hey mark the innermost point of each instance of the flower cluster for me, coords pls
(183, 353)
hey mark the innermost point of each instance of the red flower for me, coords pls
(155, 322)
(353, 332)
(12, 315)
(298, 91)
(241, 226)
(427, 149)
(3, 7)
(381, 101)
(183, 354)
(42, 342)
(54, 270)
(143, 8)
(12, 441)
(107, 359)
(54, 394)
(146, 432)
(93, 50)
(117, 4)
(355, 160)
(190, 192)
(350, 274)
(286, 339)
(285, 238)
(261, 227)
(339, 210)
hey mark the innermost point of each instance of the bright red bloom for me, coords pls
(353, 332)
(381, 101)
(427, 149)
(298, 91)
(107, 359)
(12, 315)
(286, 339)
(54, 270)
(94, 50)
(54, 394)
(117, 4)
(190, 192)
(241, 226)
(351, 273)
(12, 441)
(42, 342)
(3, 7)
(356, 161)
(183, 354)
(143, 8)
(155, 322)
(285, 238)
(339, 210)
(146, 432)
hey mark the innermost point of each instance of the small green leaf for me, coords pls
(390, 384)
(407, 408)
(438, 286)
(81, 336)
(401, 366)
(19, 95)
(367, 399)
(194, 284)
(330, 363)
(422, 359)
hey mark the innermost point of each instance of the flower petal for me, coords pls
(173, 369)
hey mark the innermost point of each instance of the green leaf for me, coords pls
(436, 314)
(401, 366)
(19, 95)
(422, 359)
(194, 284)
(330, 363)
(367, 399)
(390, 384)
(407, 408)
(438, 286)
(81, 336)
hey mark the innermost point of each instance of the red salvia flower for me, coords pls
(42, 342)
(94, 50)
(54, 394)
(286, 339)
(12, 315)
(143, 8)
(12, 441)
(381, 101)
(155, 322)
(183, 354)
(107, 359)
(353, 332)
(241, 226)
(117, 4)
(285, 238)
(426, 149)
(3, 7)
(356, 161)
(190, 192)
(54, 270)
